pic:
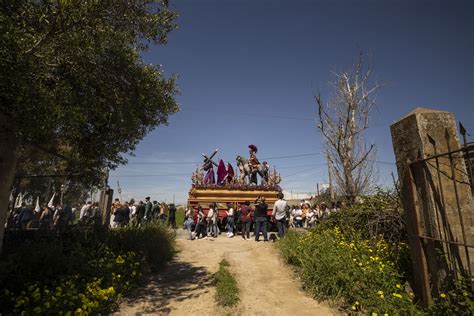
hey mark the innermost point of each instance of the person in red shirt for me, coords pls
(246, 213)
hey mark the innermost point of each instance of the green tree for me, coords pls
(73, 82)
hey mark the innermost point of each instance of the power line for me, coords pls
(299, 172)
(148, 175)
(200, 162)
(267, 116)
(293, 156)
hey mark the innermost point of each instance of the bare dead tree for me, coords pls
(342, 123)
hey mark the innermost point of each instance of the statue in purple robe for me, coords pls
(209, 177)
(221, 172)
(208, 166)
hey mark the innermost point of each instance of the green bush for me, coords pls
(458, 300)
(153, 241)
(82, 273)
(227, 292)
(360, 273)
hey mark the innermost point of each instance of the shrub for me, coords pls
(82, 273)
(153, 241)
(360, 273)
(458, 300)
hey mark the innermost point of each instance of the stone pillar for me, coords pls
(105, 204)
(437, 199)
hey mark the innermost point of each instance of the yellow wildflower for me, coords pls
(374, 314)
(380, 292)
(398, 286)
(353, 308)
(119, 260)
(442, 295)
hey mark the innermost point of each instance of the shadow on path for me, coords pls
(178, 281)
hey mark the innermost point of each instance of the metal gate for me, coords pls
(442, 232)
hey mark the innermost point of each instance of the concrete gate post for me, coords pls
(105, 202)
(437, 199)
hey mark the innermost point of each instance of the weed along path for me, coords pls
(266, 285)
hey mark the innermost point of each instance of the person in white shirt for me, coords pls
(189, 221)
(85, 211)
(230, 220)
(299, 217)
(279, 214)
(311, 217)
(212, 220)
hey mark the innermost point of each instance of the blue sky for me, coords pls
(248, 71)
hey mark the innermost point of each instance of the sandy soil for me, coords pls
(267, 286)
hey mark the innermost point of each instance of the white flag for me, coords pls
(50, 204)
(37, 208)
(19, 200)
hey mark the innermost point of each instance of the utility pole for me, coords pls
(317, 188)
(331, 189)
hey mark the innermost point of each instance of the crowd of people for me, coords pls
(240, 218)
(131, 213)
(58, 216)
(45, 217)
(307, 215)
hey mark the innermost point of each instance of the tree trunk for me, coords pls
(8, 158)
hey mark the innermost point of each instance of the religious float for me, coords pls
(228, 187)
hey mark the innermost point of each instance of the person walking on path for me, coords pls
(85, 211)
(148, 209)
(172, 216)
(26, 216)
(201, 225)
(261, 219)
(230, 220)
(212, 220)
(246, 219)
(189, 222)
(155, 210)
(279, 214)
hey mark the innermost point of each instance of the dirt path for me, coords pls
(267, 286)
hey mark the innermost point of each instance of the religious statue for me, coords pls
(221, 172)
(208, 166)
(251, 167)
(230, 174)
(225, 175)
